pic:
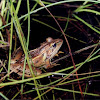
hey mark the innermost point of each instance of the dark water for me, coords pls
(75, 29)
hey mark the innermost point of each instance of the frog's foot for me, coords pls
(54, 64)
(58, 53)
(51, 65)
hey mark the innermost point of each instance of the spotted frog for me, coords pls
(40, 56)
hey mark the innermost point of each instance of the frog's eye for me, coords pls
(54, 45)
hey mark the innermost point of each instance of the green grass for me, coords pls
(10, 13)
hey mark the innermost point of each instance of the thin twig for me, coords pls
(77, 52)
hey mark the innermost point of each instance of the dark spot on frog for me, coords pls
(16, 60)
(20, 67)
(36, 61)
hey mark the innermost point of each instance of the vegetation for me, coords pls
(27, 23)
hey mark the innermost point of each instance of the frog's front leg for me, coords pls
(49, 64)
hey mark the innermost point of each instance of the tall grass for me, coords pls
(10, 14)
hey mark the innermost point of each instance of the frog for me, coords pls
(38, 57)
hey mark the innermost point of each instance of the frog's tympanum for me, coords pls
(40, 56)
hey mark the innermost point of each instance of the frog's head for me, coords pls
(54, 46)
